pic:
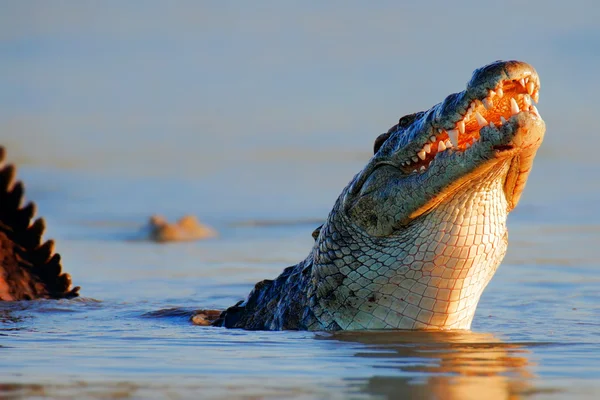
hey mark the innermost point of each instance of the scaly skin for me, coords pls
(29, 269)
(415, 237)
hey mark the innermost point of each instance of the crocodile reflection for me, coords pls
(441, 365)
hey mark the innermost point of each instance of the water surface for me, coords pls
(254, 119)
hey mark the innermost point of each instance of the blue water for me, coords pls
(254, 117)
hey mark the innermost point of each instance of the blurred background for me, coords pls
(234, 111)
(249, 96)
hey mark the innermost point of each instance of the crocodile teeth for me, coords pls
(453, 135)
(460, 125)
(473, 113)
(514, 107)
(487, 103)
(480, 120)
(530, 87)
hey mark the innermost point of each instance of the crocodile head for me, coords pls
(429, 210)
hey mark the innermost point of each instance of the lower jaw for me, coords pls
(492, 170)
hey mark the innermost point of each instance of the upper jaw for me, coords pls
(494, 94)
(395, 186)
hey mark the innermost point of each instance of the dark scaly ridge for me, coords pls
(29, 268)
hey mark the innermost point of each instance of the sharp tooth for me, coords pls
(422, 168)
(526, 79)
(530, 87)
(514, 107)
(441, 146)
(480, 120)
(500, 92)
(448, 144)
(427, 148)
(415, 159)
(536, 96)
(433, 139)
(421, 154)
(492, 125)
(414, 171)
(522, 82)
(460, 125)
(535, 110)
(440, 130)
(491, 93)
(502, 120)
(453, 135)
(487, 103)
(527, 101)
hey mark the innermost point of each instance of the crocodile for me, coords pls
(415, 237)
(411, 242)
(29, 268)
(186, 228)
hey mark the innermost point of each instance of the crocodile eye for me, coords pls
(402, 123)
(380, 141)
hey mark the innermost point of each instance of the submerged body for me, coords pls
(415, 237)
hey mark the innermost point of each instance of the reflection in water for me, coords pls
(75, 390)
(443, 365)
(7, 318)
(10, 320)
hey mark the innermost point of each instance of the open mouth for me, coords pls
(508, 98)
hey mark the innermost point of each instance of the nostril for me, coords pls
(503, 147)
